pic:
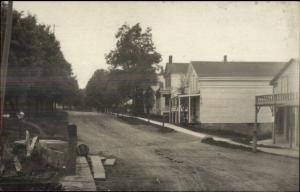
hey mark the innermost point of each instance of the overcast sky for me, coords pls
(245, 31)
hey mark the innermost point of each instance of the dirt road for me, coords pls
(153, 158)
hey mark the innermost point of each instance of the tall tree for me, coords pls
(136, 55)
(95, 89)
(38, 74)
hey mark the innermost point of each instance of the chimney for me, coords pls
(170, 59)
(225, 58)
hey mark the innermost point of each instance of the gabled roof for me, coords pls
(283, 69)
(176, 68)
(236, 69)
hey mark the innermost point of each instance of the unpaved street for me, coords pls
(153, 158)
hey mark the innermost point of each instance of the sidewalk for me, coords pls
(277, 151)
(283, 152)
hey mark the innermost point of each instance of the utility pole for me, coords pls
(4, 64)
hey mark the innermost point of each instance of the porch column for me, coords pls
(291, 125)
(170, 110)
(179, 110)
(162, 104)
(274, 125)
(176, 112)
(296, 131)
(254, 142)
(199, 112)
(285, 123)
(173, 105)
(173, 117)
(189, 109)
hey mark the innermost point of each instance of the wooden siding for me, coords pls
(288, 81)
(232, 102)
(176, 80)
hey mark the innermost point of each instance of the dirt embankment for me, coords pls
(35, 173)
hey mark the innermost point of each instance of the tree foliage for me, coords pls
(136, 56)
(104, 89)
(38, 74)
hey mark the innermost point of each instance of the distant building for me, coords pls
(284, 103)
(173, 77)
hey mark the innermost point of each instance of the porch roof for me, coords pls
(176, 68)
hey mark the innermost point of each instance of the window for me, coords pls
(284, 84)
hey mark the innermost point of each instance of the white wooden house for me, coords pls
(222, 94)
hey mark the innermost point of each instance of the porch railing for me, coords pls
(285, 99)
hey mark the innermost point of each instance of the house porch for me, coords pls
(184, 109)
(285, 109)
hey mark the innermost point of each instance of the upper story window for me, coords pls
(161, 84)
(284, 84)
(196, 83)
(275, 87)
(168, 81)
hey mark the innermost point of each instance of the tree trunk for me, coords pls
(17, 103)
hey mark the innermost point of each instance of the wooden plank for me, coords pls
(81, 160)
(82, 181)
(98, 169)
(17, 163)
(27, 142)
(109, 162)
(31, 146)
